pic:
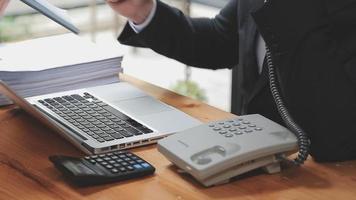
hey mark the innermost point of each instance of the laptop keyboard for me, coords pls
(94, 117)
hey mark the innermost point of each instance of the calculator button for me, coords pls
(107, 158)
(104, 163)
(132, 162)
(130, 168)
(122, 169)
(109, 166)
(92, 161)
(114, 157)
(134, 158)
(139, 161)
(112, 161)
(137, 166)
(117, 165)
(145, 165)
(124, 163)
(114, 171)
(99, 160)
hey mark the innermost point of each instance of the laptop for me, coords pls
(104, 118)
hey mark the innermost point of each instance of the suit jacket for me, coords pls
(313, 45)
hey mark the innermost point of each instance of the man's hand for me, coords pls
(135, 10)
(3, 5)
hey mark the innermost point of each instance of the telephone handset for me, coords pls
(215, 152)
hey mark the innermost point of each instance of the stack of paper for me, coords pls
(55, 64)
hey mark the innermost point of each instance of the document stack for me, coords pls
(55, 64)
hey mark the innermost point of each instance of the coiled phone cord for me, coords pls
(303, 139)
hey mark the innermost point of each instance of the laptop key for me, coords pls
(146, 130)
(134, 131)
(101, 140)
(119, 129)
(77, 97)
(108, 138)
(116, 112)
(106, 129)
(125, 133)
(126, 126)
(117, 136)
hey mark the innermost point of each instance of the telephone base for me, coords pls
(273, 168)
(270, 164)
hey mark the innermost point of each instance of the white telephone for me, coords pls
(215, 152)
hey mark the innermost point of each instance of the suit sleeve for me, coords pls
(200, 42)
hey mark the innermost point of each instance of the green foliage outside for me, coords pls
(5, 24)
(11, 29)
(190, 89)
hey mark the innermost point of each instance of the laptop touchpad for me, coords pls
(141, 106)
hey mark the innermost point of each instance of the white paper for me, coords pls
(51, 52)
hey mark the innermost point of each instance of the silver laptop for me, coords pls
(105, 118)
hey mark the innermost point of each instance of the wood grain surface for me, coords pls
(26, 173)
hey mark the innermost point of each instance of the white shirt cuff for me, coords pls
(139, 27)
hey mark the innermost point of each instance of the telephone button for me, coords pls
(229, 135)
(223, 132)
(236, 124)
(252, 125)
(203, 160)
(239, 133)
(216, 129)
(242, 127)
(248, 131)
(258, 129)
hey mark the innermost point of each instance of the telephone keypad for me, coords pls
(234, 127)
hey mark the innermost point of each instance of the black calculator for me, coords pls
(102, 168)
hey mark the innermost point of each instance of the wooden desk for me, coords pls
(26, 173)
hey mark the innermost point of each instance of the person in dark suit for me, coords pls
(313, 45)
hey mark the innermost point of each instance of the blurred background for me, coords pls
(100, 24)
